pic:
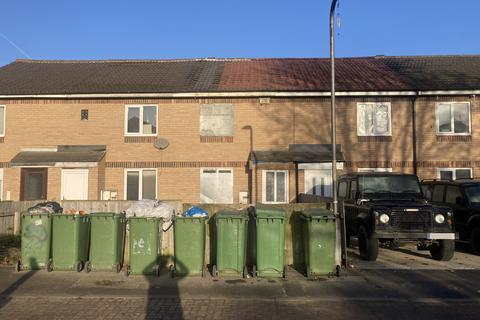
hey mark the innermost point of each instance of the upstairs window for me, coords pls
(141, 120)
(216, 120)
(2, 121)
(453, 118)
(374, 119)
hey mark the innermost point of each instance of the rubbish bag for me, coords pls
(195, 212)
(46, 207)
(152, 209)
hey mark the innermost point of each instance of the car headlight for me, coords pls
(384, 218)
(439, 218)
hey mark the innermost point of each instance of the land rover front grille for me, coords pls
(411, 220)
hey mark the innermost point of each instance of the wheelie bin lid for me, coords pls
(265, 211)
(106, 214)
(231, 214)
(317, 213)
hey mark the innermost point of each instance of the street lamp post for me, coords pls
(334, 128)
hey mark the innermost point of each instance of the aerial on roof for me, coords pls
(50, 77)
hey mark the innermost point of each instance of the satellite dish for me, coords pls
(161, 143)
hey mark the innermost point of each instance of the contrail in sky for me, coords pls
(14, 45)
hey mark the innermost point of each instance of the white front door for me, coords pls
(74, 184)
(318, 182)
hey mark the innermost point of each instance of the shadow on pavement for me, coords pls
(6, 295)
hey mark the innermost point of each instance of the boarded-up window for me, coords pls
(141, 184)
(374, 119)
(216, 120)
(216, 185)
(2, 121)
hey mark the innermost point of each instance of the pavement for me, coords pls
(402, 283)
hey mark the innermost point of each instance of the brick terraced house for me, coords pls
(230, 130)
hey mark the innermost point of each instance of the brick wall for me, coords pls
(46, 123)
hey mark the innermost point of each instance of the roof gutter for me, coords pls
(255, 94)
(252, 94)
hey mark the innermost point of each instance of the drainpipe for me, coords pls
(414, 133)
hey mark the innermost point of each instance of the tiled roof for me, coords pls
(438, 72)
(26, 77)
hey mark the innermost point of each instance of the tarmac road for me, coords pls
(402, 284)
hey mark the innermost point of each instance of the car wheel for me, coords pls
(367, 245)
(475, 240)
(442, 250)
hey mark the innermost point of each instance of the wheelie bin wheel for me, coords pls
(337, 271)
(214, 271)
(245, 272)
(285, 272)
(50, 265)
(78, 266)
(18, 266)
(156, 270)
(117, 267)
(88, 266)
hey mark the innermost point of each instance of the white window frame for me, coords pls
(140, 181)
(140, 106)
(453, 170)
(264, 186)
(217, 170)
(374, 170)
(1, 184)
(4, 120)
(389, 134)
(452, 120)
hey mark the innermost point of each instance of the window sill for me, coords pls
(374, 138)
(454, 138)
(139, 139)
(216, 139)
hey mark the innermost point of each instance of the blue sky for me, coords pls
(141, 29)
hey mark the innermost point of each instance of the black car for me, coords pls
(391, 208)
(463, 196)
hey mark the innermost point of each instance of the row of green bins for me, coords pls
(231, 243)
(36, 241)
(270, 242)
(70, 240)
(107, 241)
(145, 245)
(189, 243)
(319, 239)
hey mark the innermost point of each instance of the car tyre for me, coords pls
(475, 240)
(442, 250)
(367, 245)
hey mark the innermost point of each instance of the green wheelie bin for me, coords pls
(145, 238)
(107, 241)
(189, 243)
(36, 241)
(319, 240)
(270, 242)
(70, 239)
(231, 243)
